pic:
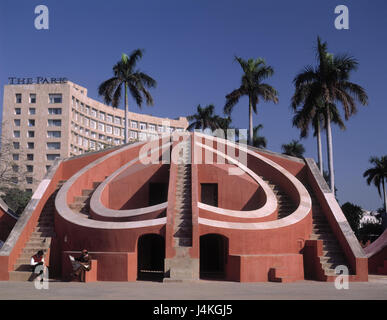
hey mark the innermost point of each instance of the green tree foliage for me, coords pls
(16, 199)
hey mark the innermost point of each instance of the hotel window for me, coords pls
(16, 122)
(51, 157)
(94, 112)
(101, 137)
(15, 180)
(142, 136)
(16, 134)
(15, 157)
(109, 139)
(32, 98)
(54, 134)
(31, 134)
(142, 126)
(109, 118)
(86, 121)
(31, 122)
(30, 157)
(73, 101)
(32, 111)
(133, 124)
(55, 98)
(87, 109)
(17, 111)
(93, 124)
(18, 98)
(92, 144)
(117, 120)
(87, 132)
(48, 168)
(109, 129)
(93, 134)
(30, 145)
(122, 132)
(101, 126)
(29, 180)
(117, 141)
(81, 130)
(30, 168)
(85, 142)
(133, 134)
(116, 131)
(102, 115)
(152, 127)
(15, 168)
(54, 122)
(16, 145)
(54, 110)
(76, 104)
(82, 107)
(53, 145)
(80, 141)
(159, 128)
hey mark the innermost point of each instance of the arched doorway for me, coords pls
(213, 256)
(150, 257)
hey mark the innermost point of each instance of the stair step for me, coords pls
(20, 275)
(81, 199)
(87, 192)
(183, 242)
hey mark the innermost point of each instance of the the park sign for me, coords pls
(37, 80)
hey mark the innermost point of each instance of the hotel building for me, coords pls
(45, 121)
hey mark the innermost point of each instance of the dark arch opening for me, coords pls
(213, 256)
(150, 257)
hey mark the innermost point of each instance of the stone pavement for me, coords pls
(376, 288)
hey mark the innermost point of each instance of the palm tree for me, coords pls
(125, 75)
(378, 176)
(329, 81)
(313, 114)
(252, 86)
(294, 148)
(258, 141)
(204, 118)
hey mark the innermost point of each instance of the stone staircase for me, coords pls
(81, 204)
(182, 267)
(285, 204)
(333, 255)
(40, 239)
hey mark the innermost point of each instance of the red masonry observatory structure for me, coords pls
(184, 207)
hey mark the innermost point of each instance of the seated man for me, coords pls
(83, 265)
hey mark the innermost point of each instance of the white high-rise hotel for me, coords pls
(46, 119)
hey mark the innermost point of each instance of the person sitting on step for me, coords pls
(83, 265)
(37, 260)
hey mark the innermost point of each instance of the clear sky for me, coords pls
(189, 49)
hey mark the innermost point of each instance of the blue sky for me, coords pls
(189, 49)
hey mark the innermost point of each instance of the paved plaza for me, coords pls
(375, 289)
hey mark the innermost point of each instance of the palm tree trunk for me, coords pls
(385, 195)
(330, 151)
(319, 149)
(250, 123)
(126, 114)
